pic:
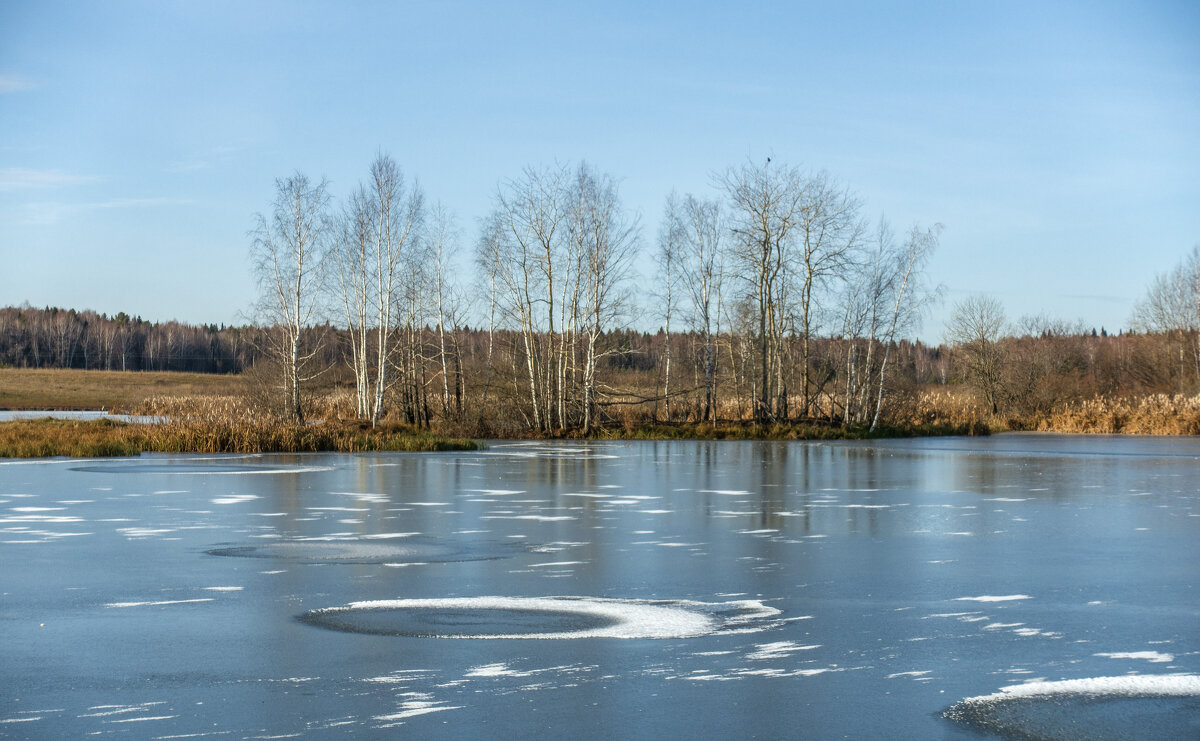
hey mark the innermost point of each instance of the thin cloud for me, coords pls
(1105, 298)
(15, 84)
(17, 178)
(213, 157)
(42, 214)
(188, 166)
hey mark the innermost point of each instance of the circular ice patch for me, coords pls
(539, 617)
(361, 551)
(1134, 706)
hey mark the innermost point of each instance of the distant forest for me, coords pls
(66, 338)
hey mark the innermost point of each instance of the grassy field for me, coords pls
(28, 388)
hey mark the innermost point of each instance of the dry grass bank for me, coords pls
(1158, 414)
(45, 438)
(64, 389)
(1155, 414)
(210, 424)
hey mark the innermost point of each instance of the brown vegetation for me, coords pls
(41, 438)
(1157, 414)
(44, 438)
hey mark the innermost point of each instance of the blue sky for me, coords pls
(1059, 143)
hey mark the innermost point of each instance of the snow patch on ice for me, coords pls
(157, 603)
(1031, 632)
(496, 492)
(362, 496)
(141, 719)
(535, 518)
(1132, 685)
(143, 532)
(1151, 656)
(235, 499)
(388, 536)
(777, 650)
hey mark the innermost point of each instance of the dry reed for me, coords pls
(209, 424)
(1157, 414)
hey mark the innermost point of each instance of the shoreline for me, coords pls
(104, 437)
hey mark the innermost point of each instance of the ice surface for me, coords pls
(345, 548)
(849, 567)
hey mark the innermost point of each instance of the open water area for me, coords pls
(1018, 586)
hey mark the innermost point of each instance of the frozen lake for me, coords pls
(609, 590)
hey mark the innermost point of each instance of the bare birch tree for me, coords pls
(443, 245)
(702, 269)
(911, 295)
(670, 252)
(767, 204)
(530, 211)
(289, 256)
(829, 231)
(399, 209)
(610, 239)
(379, 227)
(353, 257)
(488, 257)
